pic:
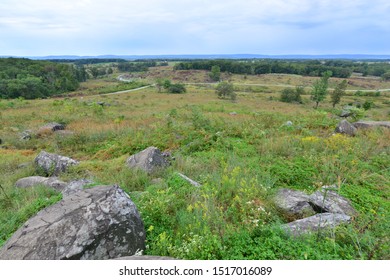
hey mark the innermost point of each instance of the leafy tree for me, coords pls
(226, 90)
(167, 83)
(215, 74)
(320, 88)
(338, 92)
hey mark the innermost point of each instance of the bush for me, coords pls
(226, 90)
(290, 95)
(177, 88)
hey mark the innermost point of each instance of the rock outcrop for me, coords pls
(323, 209)
(294, 204)
(97, 223)
(148, 160)
(34, 181)
(328, 200)
(344, 127)
(53, 164)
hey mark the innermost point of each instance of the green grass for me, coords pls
(240, 159)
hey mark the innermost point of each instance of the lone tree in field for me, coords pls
(290, 95)
(320, 88)
(338, 92)
(215, 74)
(226, 90)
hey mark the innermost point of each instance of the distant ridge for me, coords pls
(217, 56)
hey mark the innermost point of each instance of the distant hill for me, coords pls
(219, 56)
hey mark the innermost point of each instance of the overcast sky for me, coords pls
(141, 27)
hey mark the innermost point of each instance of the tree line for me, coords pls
(20, 77)
(339, 68)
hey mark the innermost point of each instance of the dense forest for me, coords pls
(20, 77)
(339, 68)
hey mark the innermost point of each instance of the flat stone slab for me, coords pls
(369, 124)
(316, 222)
(33, 181)
(293, 203)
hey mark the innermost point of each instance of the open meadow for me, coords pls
(241, 152)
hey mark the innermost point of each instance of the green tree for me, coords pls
(226, 90)
(215, 74)
(320, 88)
(338, 92)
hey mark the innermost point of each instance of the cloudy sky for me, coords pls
(141, 27)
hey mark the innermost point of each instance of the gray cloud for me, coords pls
(186, 26)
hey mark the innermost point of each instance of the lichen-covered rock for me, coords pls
(75, 186)
(316, 222)
(294, 204)
(97, 223)
(328, 200)
(34, 181)
(53, 164)
(149, 160)
(344, 127)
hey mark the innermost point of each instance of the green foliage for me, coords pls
(177, 88)
(338, 92)
(290, 95)
(226, 90)
(215, 73)
(320, 88)
(32, 79)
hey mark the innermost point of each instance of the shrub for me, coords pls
(290, 95)
(226, 90)
(177, 88)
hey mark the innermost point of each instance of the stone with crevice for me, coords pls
(97, 223)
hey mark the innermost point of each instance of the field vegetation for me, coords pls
(241, 153)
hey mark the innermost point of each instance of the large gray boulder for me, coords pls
(328, 200)
(34, 181)
(324, 221)
(370, 124)
(150, 160)
(97, 223)
(53, 164)
(344, 127)
(294, 204)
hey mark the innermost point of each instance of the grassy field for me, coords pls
(241, 152)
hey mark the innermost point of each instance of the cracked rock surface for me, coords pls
(97, 223)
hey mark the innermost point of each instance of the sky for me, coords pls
(163, 27)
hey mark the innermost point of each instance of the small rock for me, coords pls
(34, 181)
(317, 222)
(53, 126)
(344, 127)
(288, 123)
(53, 164)
(233, 113)
(149, 160)
(26, 135)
